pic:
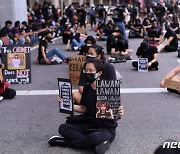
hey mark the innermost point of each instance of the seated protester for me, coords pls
(5, 91)
(75, 40)
(175, 27)
(147, 51)
(17, 37)
(146, 25)
(171, 43)
(94, 52)
(154, 36)
(111, 41)
(47, 58)
(101, 33)
(89, 41)
(6, 33)
(121, 50)
(66, 34)
(173, 75)
(25, 31)
(136, 30)
(81, 136)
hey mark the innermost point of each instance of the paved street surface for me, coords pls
(151, 115)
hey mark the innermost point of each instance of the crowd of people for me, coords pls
(158, 27)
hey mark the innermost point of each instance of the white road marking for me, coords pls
(123, 91)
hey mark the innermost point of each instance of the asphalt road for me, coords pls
(28, 121)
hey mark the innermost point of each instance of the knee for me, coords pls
(77, 97)
(62, 128)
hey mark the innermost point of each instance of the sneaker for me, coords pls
(1, 98)
(67, 60)
(75, 48)
(54, 62)
(102, 148)
(173, 91)
(57, 141)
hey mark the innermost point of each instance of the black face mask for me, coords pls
(89, 57)
(49, 39)
(91, 77)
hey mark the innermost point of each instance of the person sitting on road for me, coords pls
(89, 41)
(75, 40)
(171, 44)
(5, 91)
(154, 36)
(121, 50)
(173, 75)
(47, 58)
(94, 52)
(147, 51)
(136, 30)
(81, 136)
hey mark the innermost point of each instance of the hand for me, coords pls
(149, 64)
(120, 111)
(162, 84)
(59, 99)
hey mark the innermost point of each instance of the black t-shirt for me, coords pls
(120, 12)
(112, 42)
(154, 34)
(174, 42)
(147, 54)
(109, 73)
(42, 43)
(89, 99)
(5, 32)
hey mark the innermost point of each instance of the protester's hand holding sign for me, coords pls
(120, 111)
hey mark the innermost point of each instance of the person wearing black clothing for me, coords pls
(46, 58)
(112, 39)
(160, 12)
(94, 52)
(171, 44)
(147, 51)
(136, 30)
(78, 135)
(6, 33)
(89, 41)
(154, 36)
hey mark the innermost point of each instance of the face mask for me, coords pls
(49, 39)
(91, 77)
(89, 45)
(90, 57)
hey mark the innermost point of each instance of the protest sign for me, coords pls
(108, 98)
(65, 92)
(17, 63)
(75, 66)
(142, 64)
(171, 84)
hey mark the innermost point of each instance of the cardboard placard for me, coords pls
(142, 64)
(17, 63)
(108, 98)
(65, 92)
(75, 66)
(171, 84)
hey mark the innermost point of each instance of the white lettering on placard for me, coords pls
(6, 72)
(22, 73)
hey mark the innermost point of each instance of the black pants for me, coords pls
(8, 94)
(118, 57)
(154, 65)
(169, 48)
(79, 138)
